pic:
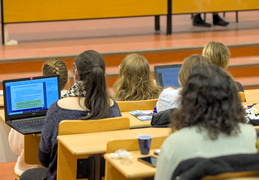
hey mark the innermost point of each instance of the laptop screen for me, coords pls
(30, 96)
(167, 75)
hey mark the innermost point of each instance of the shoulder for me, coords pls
(246, 128)
(115, 110)
(169, 98)
(182, 135)
(169, 93)
(72, 103)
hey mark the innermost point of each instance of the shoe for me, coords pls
(197, 21)
(217, 20)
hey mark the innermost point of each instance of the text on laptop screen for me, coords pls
(168, 76)
(31, 95)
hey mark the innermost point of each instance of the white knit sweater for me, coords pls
(16, 142)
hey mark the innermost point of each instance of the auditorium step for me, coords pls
(244, 63)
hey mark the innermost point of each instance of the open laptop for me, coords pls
(27, 100)
(167, 75)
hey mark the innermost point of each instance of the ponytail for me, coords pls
(91, 70)
(97, 99)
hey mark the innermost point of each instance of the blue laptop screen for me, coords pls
(168, 76)
(31, 95)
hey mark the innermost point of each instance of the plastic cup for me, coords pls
(144, 142)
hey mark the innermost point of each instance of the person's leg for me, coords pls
(197, 21)
(217, 20)
(34, 174)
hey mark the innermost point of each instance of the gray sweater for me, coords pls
(190, 143)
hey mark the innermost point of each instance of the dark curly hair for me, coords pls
(210, 101)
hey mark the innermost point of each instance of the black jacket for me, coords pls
(196, 168)
(162, 119)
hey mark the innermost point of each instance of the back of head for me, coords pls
(135, 81)
(90, 67)
(210, 100)
(217, 53)
(135, 66)
(189, 64)
(56, 66)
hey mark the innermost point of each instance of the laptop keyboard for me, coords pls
(28, 124)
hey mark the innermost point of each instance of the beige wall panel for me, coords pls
(49, 10)
(192, 6)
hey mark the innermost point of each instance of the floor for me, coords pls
(124, 34)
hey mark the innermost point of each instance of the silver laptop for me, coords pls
(27, 100)
(167, 75)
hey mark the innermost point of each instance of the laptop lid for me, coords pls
(167, 75)
(29, 97)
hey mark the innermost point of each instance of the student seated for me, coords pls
(169, 97)
(219, 55)
(210, 122)
(135, 81)
(16, 139)
(86, 99)
(56, 66)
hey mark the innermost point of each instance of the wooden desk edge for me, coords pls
(139, 175)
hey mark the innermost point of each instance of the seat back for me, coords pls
(126, 106)
(132, 144)
(96, 125)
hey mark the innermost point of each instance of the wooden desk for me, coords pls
(2, 116)
(79, 146)
(1, 101)
(31, 141)
(123, 169)
(252, 96)
(135, 122)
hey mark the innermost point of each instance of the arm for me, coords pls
(16, 142)
(48, 137)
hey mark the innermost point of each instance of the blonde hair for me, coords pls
(217, 53)
(189, 64)
(56, 66)
(135, 81)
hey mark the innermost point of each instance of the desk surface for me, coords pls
(1, 101)
(252, 96)
(132, 168)
(2, 116)
(134, 122)
(95, 143)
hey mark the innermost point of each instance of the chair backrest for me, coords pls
(132, 144)
(234, 176)
(96, 125)
(126, 106)
(242, 96)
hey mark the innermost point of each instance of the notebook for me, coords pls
(167, 75)
(27, 100)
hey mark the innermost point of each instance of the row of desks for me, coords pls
(31, 141)
(252, 95)
(78, 146)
